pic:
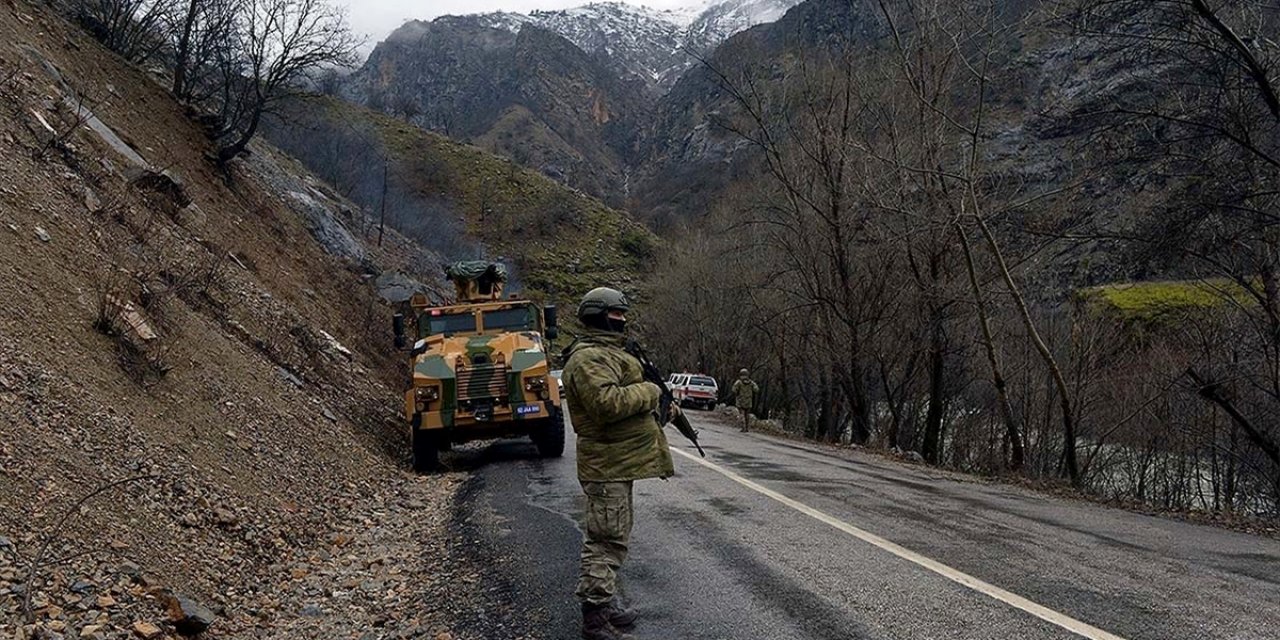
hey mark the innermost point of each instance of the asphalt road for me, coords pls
(775, 540)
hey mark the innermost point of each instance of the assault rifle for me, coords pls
(666, 401)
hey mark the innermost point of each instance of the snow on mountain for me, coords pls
(686, 15)
(652, 45)
(723, 19)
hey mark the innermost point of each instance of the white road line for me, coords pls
(1011, 599)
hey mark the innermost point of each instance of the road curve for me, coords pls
(774, 539)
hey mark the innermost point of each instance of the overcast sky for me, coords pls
(374, 19)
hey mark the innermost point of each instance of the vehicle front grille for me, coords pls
(482, 382)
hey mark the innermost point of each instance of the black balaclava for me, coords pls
(603, 322)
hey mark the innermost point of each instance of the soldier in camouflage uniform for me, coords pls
(745, 391)
(620, 440)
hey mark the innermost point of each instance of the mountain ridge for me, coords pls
(652, 45)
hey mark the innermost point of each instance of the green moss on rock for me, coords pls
(1155, 303)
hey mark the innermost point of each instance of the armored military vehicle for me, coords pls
(480, 367)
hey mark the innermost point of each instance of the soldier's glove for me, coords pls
(673, 412)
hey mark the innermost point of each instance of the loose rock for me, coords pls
(188, 616)
(146, 630)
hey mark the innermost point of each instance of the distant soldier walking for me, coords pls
(745, 391)
(620, 440)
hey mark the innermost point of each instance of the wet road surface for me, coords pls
(774, 539)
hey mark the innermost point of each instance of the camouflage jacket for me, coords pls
(744, 393)
(613, 411)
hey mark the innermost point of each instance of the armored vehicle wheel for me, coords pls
(548, 437)
(426, 450)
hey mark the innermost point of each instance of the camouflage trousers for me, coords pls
(746, 417)
(608, 534)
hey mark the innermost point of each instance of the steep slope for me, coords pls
(718, 22)
(532, 96)
(690, 154)
(649, 45)
(211, 343)
(565, 92)
(636, 43)
(561, 242)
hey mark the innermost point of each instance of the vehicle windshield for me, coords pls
(446, 323)
(702, 381)
(518, 319)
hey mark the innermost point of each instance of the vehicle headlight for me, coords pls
(426, 395)
(535, 383)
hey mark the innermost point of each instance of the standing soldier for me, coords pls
(620, 440)
(745, 391)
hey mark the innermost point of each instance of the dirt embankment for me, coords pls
(189, 338)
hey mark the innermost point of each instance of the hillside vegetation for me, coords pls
(469, 203)
(910, 198)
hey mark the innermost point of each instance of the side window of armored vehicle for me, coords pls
(518, 319)
(435, 323)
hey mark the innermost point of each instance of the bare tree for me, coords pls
(131, 28)
(280, 41)
(198, 31)
(1208, 115)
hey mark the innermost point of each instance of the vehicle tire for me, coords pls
(548, 437)
(426, 450)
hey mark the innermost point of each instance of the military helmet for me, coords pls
(602, 300)
(744, 374)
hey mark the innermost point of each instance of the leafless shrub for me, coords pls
(197, 283)
(131, 28)
(9, 82)
(143, 355)
(40, 560)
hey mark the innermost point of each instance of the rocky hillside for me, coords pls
(568, 93)
(636, 43)
(199, 408)
(561, 242)
(531, 96)
(721, 20)
(690, 155)
(692, 158)
(648, 45)
(666, 156)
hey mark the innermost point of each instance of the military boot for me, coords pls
(596, 625)
(621, 617)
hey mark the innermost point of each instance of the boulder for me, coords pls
(189, 617)
(165, 184)
(396, 287)
(325, 227)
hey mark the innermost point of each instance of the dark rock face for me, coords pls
(569, 93)
(691, 152)
(565, 93)
(532, 96)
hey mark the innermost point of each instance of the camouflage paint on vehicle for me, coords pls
(500, 375)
